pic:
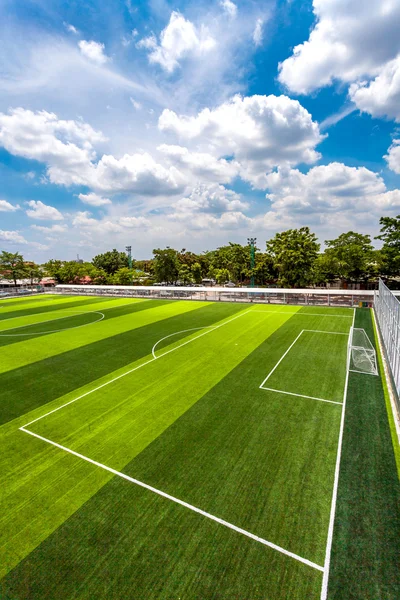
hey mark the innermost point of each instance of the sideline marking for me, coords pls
(327, 563)
(321, 331)
(281, 359)
(181, 502)
(300, 395)
(74, 312)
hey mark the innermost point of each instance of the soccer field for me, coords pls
(175, 449)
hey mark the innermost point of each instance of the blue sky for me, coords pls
(193, 124)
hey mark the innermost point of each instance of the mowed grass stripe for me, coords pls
(46, 307)
(235, 450)
(29, 473)
(26, 388)
(28, 351)
(69, 319)
(366, 539)
(152, 548)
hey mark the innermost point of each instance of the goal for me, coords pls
(361, 353)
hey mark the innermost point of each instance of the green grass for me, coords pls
(193, 423)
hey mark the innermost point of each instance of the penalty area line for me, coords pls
(199, 511)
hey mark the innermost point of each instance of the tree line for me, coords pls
(292, 258)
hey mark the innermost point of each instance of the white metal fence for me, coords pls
(387, 310)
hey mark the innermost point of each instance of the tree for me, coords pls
(196, 273)
(111, 261)
(222, 276)
(166, 265)
(294, 253)
(354, 256)
(52, 269)
(264, 270)
(185, 275)
(235, 258)
(34, 272)
(326, 268)
(390, 252)
(12, 266)
(123, 276)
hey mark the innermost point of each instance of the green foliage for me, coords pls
(12, 266)
(122, 277)
(294, 253)
(111, 261)
(197, 273)
(234, 258)
(166, 265)
(390, 253)
(222, 276)
(185, 275)
(352, 255)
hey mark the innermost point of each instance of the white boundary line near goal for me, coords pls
(299, 395)
(327, 563)
(181, 502)
(74, 312)
(300, 314)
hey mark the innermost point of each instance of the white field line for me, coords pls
(180, 502)
(130, 371)
(300, 314)
(83, 311)
(281, 358)
(325, 579)
(88, 312)
(331, 332)
(300, 395)
(177, 333)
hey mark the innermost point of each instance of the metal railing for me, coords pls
(387, 310)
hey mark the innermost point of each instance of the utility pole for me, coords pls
(252, 242)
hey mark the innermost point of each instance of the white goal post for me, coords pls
(361, 355)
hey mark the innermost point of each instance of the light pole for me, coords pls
(252, 242)
(129, 253)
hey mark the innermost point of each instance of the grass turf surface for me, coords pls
(194, 424)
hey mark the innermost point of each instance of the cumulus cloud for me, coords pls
(93, 51)
(12, 237)
(393, 156)
(201, 164)
(67, 148)
(380, 97)
(229, 8)
(179, 39)
(94, 199)
(326, 193)
(349, 41)
(213, 199)
(52, 229)
(86, 222)
(258, 32)
(7, 207)
(39, 210)
(259, 131)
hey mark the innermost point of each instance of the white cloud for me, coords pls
(7, 207)
(134, 222)
(39, 210)
(70, 28)
(332, 194)
(94, 51)
(229, 7)
(201, 164)
(12, 237)
(90, 225)
(136, 105)
(380, 97)
(393, 156)
(258, 32)
(52, 229)
(349, 41)
(259, 131)
(179, 39)
(94, 199)
(213, 199)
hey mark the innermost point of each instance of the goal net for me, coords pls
(361, 353)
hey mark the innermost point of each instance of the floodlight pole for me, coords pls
(252, 242)
(129, 253)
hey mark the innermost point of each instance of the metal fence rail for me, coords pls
(387, 310)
